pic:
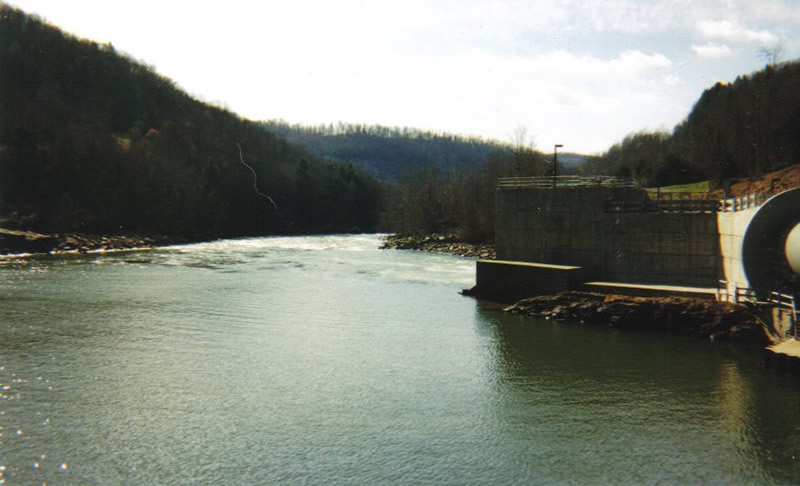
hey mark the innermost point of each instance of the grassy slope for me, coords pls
(774, 182)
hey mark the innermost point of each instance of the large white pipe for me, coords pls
(771, 243)
(792, 249)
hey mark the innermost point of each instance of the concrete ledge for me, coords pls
(531, 264)
(648, 290)
(509, 281)
(783, 357)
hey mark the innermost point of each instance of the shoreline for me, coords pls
(437, 243)
(691, 316)
(27, 243)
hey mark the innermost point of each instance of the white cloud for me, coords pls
(712, 51)
(672, 80)
(780, 11)
(725, 30)
(627, 16)
(625, 64)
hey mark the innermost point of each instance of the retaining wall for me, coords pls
(573, 226)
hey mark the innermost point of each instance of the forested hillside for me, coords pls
(389, 152)
(93, 141)
(741, 129)
(435, 183)
(459, 201)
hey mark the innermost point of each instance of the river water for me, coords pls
(323, 360)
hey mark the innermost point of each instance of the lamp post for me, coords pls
(555, 162)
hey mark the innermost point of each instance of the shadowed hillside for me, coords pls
(93, 141)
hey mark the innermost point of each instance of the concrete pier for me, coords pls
(645, 290)
(509, 281)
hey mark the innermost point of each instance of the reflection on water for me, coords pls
(324, 360)
(641, 406)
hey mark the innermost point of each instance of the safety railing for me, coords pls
(563, 181)
(677, 205)
(787, 302)
(733, 293)
(671, 195)
(742, 202)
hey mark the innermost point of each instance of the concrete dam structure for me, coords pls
(570, 232)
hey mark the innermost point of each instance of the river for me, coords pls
(323, 360)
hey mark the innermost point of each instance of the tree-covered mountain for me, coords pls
(741, 129)
(389, 152)
(458, 200)
(93, 141)
(434, 183)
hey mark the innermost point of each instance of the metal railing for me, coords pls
(731, 292)
(677, 205)
(787, 302)
(742, 202)
(688, 204)
(664, 201)
(563, 181)
(672, 195)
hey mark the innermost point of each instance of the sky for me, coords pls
(582, 73)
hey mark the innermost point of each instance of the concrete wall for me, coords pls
(509, 281)
(569, 226)
(732, 228)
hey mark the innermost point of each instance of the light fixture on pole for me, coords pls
(555, 162)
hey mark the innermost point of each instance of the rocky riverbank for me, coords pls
(718, 321)
(440, 244)
(16, 242)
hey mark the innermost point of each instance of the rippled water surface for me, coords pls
(323, 360)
